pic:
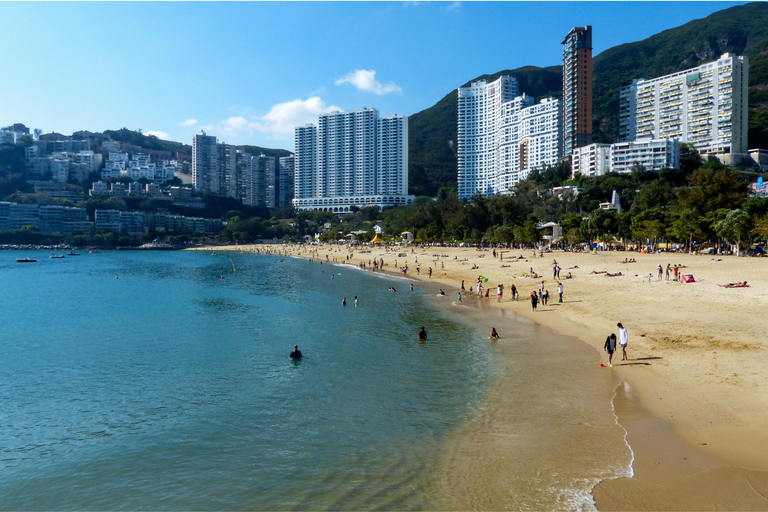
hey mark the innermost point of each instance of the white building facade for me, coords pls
(503, 137)
(622, 157)
(705, 106)
(352, 159)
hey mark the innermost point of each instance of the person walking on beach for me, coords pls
(462, 285)
(610, 347)
(560, 291)
(458, 299)
(661, 271)
(430, 272)
(499, 292)
(514, 292)
(623, 340)
(534, 300)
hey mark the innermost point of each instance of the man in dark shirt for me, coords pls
(296, 354)
(422, 333)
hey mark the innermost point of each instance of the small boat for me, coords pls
(73, 253)
(26, 260)
(55, 256)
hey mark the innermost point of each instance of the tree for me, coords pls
(712, 187)
(689, 158)
(735, 227)
(603, 223)
(689, 225)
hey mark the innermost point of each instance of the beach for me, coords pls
(694, 391)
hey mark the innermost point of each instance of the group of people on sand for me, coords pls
(610, 344)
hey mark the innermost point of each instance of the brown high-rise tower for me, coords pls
(577, 89)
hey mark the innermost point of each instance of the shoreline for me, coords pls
(707, 426)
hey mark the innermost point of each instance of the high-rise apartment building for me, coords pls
(206, 175)
(705, 106)
(305, 177)
(286, 169)
(352, 159)
(244, 164)
(503, 137)
(222, 170)
(577, 88)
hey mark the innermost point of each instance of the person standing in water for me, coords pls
(296, 354)
(422, 334)
(344, 301)
(357, 302)
(494, 335)
(610, 347)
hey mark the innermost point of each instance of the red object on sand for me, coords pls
(602, 364)
(688, 278)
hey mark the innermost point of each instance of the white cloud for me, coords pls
(365, 80)
(188, 122)
(283, 118)
(159, 134)
(453, 7)
(278, 124)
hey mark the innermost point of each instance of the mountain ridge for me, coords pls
(741, 29)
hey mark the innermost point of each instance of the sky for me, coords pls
(250, 72)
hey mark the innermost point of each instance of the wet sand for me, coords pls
(696, 385)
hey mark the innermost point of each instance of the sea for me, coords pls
(135, 380)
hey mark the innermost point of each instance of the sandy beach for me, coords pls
(695, 393)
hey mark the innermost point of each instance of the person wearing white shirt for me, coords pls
(623, 339)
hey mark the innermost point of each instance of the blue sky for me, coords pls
(248, 72)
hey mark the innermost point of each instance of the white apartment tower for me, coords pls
(503, 136)
(705, 106)
(352, 159)
(392, 156)
(206, 175)
(305, 177)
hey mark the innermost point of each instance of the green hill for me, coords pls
(741, 29)
(151, 142)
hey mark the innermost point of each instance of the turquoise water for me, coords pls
(133, 380)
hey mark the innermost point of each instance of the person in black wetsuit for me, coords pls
(296, 354)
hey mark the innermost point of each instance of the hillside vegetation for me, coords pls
(741, 29)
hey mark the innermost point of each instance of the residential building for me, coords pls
(648, 154)
(577, 88)
(49, 219)
(286, 172)
(591, 160)
(263, 189)
(622, 157)
(502, 137)
(244, 171)
(206, 174)
(99, 188)
(705, 106)
(108, 220)
(337, 162)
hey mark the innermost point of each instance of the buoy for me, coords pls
(116, 277)
(222, 277)
(602, 364)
